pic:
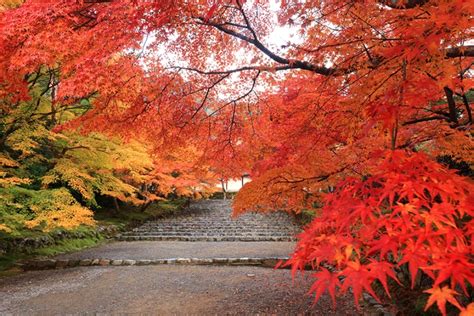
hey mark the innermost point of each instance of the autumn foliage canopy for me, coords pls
(354, 110)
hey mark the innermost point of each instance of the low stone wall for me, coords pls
(48, 264)
(29, 244)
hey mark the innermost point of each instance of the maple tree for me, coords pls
(351, 112)
(50, 178)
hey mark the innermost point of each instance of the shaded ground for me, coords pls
(162, 290)
(138, 250)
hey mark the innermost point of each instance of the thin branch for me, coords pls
(426, 119)
(240, 69)
(292, 64)
(403, 4)
(254, 82)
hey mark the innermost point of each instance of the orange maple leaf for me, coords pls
(441, 296)
(468, 311)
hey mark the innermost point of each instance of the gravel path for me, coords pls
(139, 250)
(162, 290)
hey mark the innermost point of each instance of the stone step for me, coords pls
(227, 217)
(210, 232)
(204, 238)
(220, 223)
(252, 222)
(234, 229)
(212, 221)
(216, 227)
(218, 230)
(207, 232)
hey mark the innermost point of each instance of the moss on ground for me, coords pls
(7, 261)
(68, 245)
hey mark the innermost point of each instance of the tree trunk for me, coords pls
(145, 206)
(116, 205)
(187, 203)
(468, 108)
(451, 105)
(223, 190)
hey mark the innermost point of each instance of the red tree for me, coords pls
(362, 100)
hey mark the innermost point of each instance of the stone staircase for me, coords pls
(210, 220)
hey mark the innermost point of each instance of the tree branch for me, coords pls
(292, 64)
(426, 119)
(230, 71)
(462, 51)
(403, 4)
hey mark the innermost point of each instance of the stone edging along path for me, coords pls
(48, 264)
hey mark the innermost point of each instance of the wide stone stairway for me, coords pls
(205, 233)
(210, 220)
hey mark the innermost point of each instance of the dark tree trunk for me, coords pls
(145, 206)
(453, 117)
(116, 205)
(468, 108)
